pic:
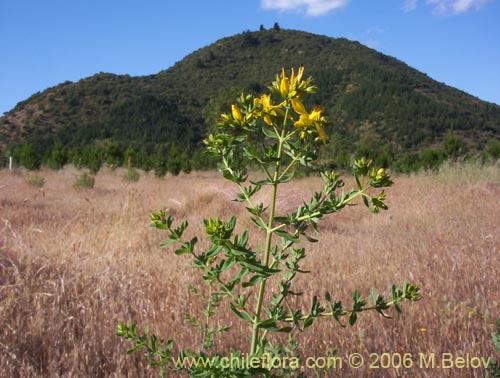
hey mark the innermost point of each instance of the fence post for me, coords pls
(10, 163)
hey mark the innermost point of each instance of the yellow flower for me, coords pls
(380, 174)
(293, 86)
(307, 119)
(285, 84)
(266, 108)
(298, 106)
(236, 113)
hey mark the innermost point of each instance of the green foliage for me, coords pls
(431, 159)
(365, 93)
(131, 175)
(160, 160)
(494, 365)
(84, 181)
(453, 145)
(91, 157)
(35, 180)
(27, 156)
(493, 149)
(58, 157)
(274, 133)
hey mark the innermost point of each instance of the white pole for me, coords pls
(10, 163)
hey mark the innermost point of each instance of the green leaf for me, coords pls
(269, 324)
(241, 314)
(168, 242)
(378, 203)
(254, 280)
(287, 178)
(268, 131)
(227, 264)
(285, 235)
(135, 348)
(308, 322)
(240, 251)
(253, 266)
(358, 183)
(263, 182)
(365, 201)
(272, 326)
(310, 239)
(214, 250)
(353, 318)
(181, 251)
(259, 223)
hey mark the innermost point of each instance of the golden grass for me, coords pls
(74, 263)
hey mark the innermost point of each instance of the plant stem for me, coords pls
(294, 160)
(269, 237)
(207, 319)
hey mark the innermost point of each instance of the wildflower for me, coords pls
(284, 84)
(293, 86)
(236, 112)
(307, 119)
(380, 174)
(266, 107)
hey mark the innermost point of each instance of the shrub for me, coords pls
(256, 281)
(85, 181)
(35, 180)
(131, 175)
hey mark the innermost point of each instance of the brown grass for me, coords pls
(74, 263)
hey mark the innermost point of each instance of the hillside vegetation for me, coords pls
(378, 106)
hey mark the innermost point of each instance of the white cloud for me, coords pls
(410, 5)
(371, 39)
(310, 7)
(456, 6)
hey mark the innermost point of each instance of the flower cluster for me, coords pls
(290, 91)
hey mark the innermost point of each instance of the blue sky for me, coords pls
(44, 43)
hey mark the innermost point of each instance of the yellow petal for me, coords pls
(299, 74)
(236, 113)
(316, 113)
(268, 120)
(285, 83)
(304, 121)
(321, 133)
(298, 106)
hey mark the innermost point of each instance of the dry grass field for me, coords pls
(75, 262)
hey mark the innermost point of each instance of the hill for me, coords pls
(378, 105)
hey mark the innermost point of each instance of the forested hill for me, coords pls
(378, 105)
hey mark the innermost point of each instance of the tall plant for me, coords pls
(274, 133)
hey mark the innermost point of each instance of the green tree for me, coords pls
(58, 156)
(129, 157)
(160, 166)
(113, 153)
(27, 157)
(453, 145)
(174, 162)
(493, 149)
(92, 158)
(431, 158)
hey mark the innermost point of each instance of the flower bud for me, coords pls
(236, 113)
